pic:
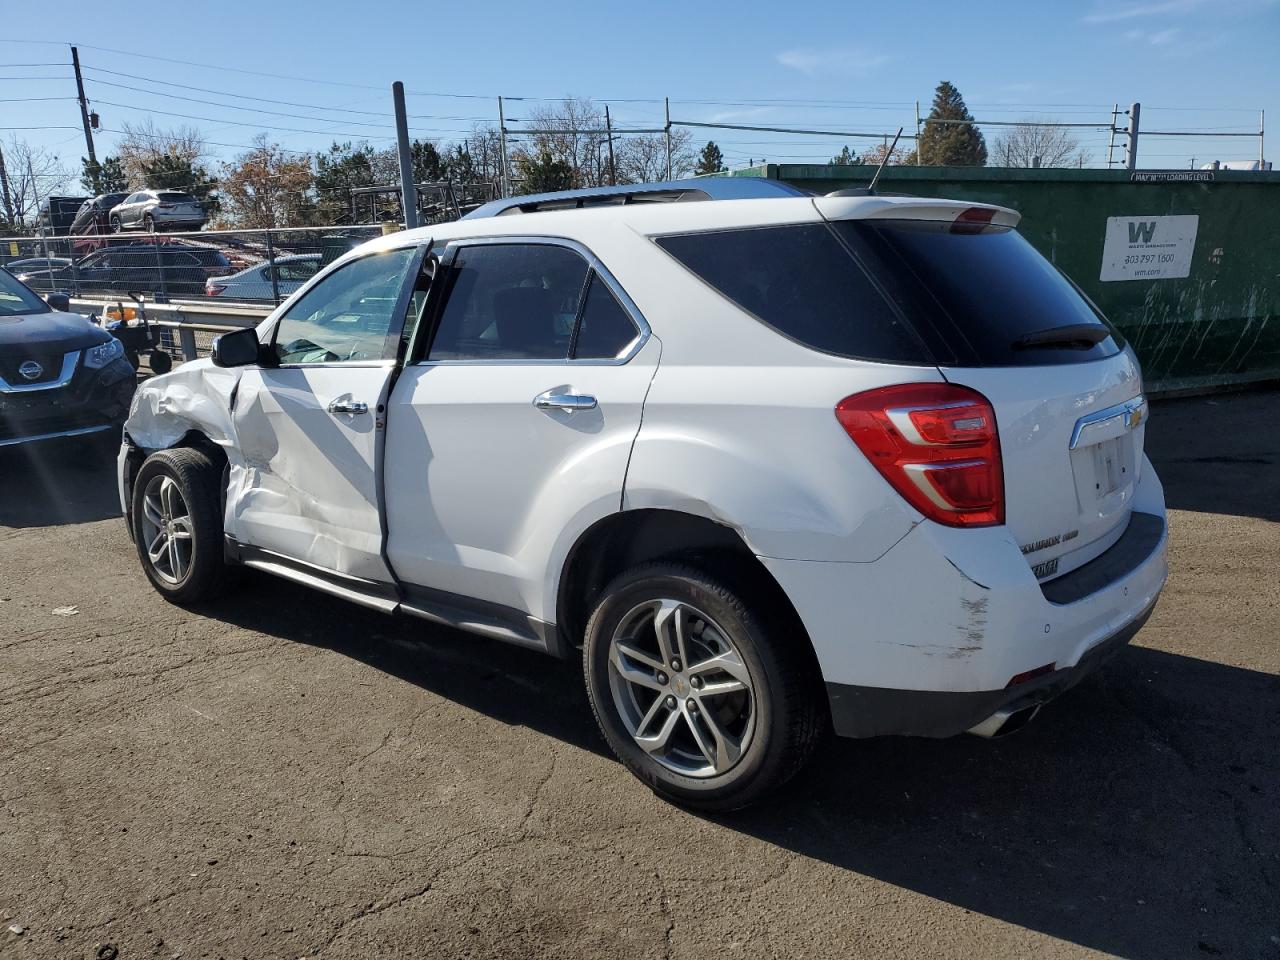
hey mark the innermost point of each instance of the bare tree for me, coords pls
(572, 131)
(142, 144)
(643, 157)
(875, 155)
(1020, 146)
(33, 174)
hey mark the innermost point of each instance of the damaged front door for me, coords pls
(311, 428)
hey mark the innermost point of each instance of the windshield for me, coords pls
(16, 299)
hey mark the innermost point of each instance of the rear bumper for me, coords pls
(928, 638)
(875, 711)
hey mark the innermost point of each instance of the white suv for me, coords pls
(775, 465)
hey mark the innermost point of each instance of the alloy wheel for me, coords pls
(166, 529)
(681, 688)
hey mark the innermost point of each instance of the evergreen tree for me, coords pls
(544, 173)
(710, 160)
(955, 143)
(845, 158)
(428, 165)
(105, 177)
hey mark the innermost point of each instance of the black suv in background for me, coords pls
(173, 269)
(91, 219)
(60, 375)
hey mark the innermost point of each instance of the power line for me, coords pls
(275, 76)
(244, 96)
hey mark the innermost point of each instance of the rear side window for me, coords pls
(605, 330)
(804, 283)
(985, 290)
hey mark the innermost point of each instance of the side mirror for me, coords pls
(239, 348)
(58, 301)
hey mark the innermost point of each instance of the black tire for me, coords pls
(134, 360)
(197, 478)
(790, 716)
(116, 225)
(148, 223)
(160, 361)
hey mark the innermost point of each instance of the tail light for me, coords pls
(936, 444)
(212, 289)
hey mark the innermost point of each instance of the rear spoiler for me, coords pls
(915, 208)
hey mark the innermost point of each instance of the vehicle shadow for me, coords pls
(1219, 454)
(56, 484)
(1136, 816)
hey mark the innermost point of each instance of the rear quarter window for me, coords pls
(802, 281)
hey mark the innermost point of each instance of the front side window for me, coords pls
(510, 301)
(348, 315)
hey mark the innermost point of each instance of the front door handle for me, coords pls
(348, 406)
(564, 401)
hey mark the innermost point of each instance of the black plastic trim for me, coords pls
(1140, 539)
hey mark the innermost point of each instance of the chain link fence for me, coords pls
(251, 266)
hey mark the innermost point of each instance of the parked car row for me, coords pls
(172, 268)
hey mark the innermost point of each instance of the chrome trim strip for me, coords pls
(1133, 411)
(644, 332)
(68, 371)
(78, 432)
(320, 583)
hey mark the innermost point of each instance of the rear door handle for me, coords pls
(348, 406)
(564, 401)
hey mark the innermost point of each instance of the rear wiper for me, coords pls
(1075, 336)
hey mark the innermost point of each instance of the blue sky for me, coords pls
(1194, 64)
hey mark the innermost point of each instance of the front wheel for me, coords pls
(708, 700)
(116, 225)
(177, 522)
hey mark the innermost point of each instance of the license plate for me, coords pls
(1110, 468)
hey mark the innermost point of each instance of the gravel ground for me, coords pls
(286, 775)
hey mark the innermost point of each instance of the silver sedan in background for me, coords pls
(254, 283)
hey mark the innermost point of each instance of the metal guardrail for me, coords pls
(185, 319)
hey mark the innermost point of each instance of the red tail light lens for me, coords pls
(937, 445)
(213, 289)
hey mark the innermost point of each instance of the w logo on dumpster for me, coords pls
(1141, 231)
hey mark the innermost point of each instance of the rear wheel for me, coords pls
(116, 225)
(177, 519)
(701, 696)
(148, 223)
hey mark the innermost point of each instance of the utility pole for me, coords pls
(918, 133)
(503, 180)
(608, 126)
(8, 201)
(1135, 110)
(84, 118)
(667, 102)
(408, 192)
(1111, 141)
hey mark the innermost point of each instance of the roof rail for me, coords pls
(699, 188)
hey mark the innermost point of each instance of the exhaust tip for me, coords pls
(1006, 721)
